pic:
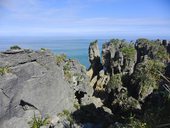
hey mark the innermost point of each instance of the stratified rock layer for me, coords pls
(34, 83)
(129, 72)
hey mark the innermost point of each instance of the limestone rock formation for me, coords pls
(131, 68)
(34, 82)
(94, 58)
(118, 57)
(102, 81)
(128, 78)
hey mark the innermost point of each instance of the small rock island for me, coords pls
(126, 86)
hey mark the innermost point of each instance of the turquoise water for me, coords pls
(76, 48)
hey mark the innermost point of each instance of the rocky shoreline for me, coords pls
(127, 86)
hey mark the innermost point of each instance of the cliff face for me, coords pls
(31, 83)
(127, 78)
(131, 73)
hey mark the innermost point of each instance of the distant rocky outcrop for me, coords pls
(130, 71)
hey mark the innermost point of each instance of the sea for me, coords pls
(73, 47)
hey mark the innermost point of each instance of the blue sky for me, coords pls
(121, 18)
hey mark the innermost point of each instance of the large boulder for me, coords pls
(33, 82)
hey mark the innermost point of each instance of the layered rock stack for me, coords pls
(121, 68)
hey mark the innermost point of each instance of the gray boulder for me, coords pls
(34, 82)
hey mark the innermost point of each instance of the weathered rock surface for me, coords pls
(128, 74)
(118, 57)
(94, 58)
(125, 80)
(35, 83)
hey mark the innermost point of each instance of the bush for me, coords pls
(60, 58)
(135, 123)
(142, 42)
(162, 54)
(68, 116)
(129, 51)
(37, 122)
(115, 42)
(76, 105)
(94, 42)
(67, 73)
(43, 49)
(146, 77)
(115, 81)
(4, 70)
(15, 47)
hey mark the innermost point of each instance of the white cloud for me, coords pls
(33, 17)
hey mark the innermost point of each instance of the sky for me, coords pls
(122, 18)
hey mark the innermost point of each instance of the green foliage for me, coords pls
(115, 81)
(68, 116)
(155, 49)
(43, 49)
(135, 123)
(131, 122)
(94, 42)
(15, 47)
(61, 58)
(37, 122)
(146, 85)
(142, 41)
(129, 51)
(115, 42)
(150, 69)
(76, 105)
(146, 77)
(162, 54)
(4, 70)
(67, 73)
(79, 77)
(153, 66)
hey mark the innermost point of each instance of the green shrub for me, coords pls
(131, 122)
(146, 77)
(162, 54)
(115, 42)
(154, 67)
(128, 51)
(150, 68)
(115, 81)
(37, 122)
(76, 105)
(4, 70)
(79, 77)
(60, 58)
(93, 43)
(43, 49)
(68, 116)
(15, 47)
(142, 41)
(135, 123)
(67, 73)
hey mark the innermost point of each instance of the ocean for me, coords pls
(75, 48)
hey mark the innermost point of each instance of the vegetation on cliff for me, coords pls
(138, 85)
(128, 87)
